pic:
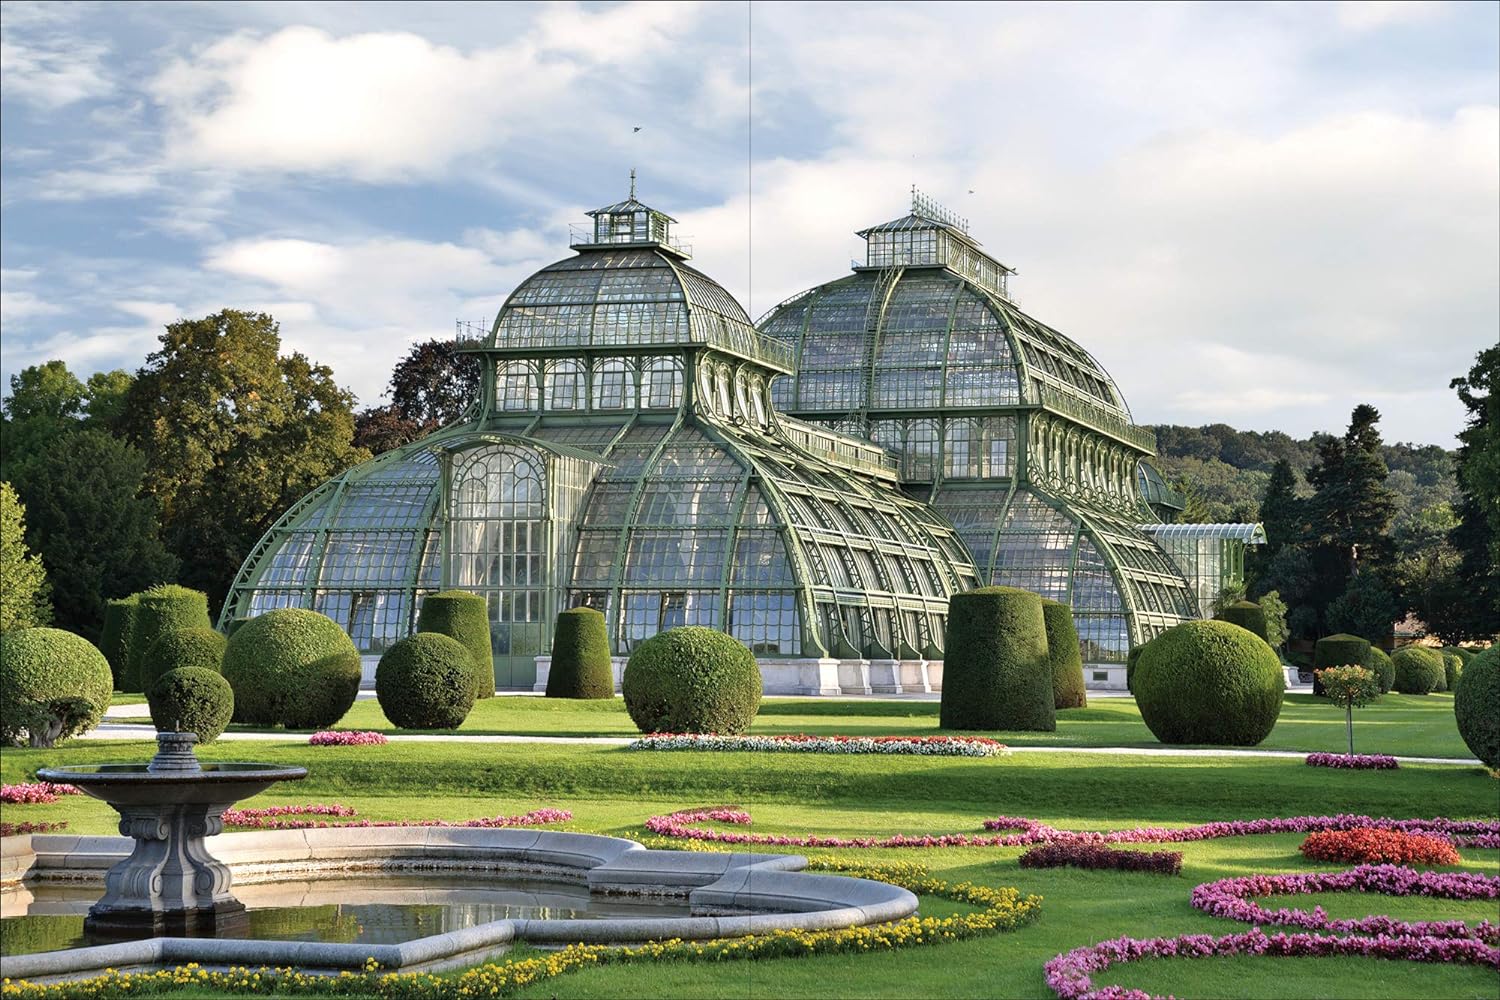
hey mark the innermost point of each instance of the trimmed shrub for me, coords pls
(1385, 671)
(1419, 670)
(692, 680)
(161, 610)
(996, 674)
(581, 666)
(1131, 658)
(1247, 615)
(426, 681)
(1463, 654)
(1209, 682)
(53, 684)
(233, 626)
(183, 647)
(1065, 655)
(1340, 650)
(292, 667)
(465, 617)
(114, 643)
(1453, 668)
(191, 700)
(1476, 706)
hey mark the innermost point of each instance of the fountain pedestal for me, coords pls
(170, 884)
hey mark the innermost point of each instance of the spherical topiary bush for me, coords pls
(465, 617)
(1419, 670)
(1131, 659)
(114, 643)
(191, 700)
(1385, 670)
(1463, 654)
(1340, 650)
(581, 665)
(1476, 706)
(1247, 615)
(692, 680)
(53, 684)
(1453, 668)
(1209, 682)
(291, 667)
(161, 610)
(1065, 656)
(426, 681)
(996, 674)
(183, 647)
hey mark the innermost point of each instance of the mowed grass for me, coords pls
(613, 790)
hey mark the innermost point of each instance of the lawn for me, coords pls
(613, 790)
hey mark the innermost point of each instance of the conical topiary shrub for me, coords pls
(1065, 655)
(996, 674)
(162, 609)
(1341, 650)
(465, 617)
(114, 643)
(1247, 615)
(580, 657)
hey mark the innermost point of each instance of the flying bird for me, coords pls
(636, 129)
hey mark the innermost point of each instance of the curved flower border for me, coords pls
(273, 818)
(1354, 761)
(1069, 975)
(920, 746)
(1232, 898)
(1101, 857)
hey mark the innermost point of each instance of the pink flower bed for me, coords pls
(13, 829)
(1233, 899)
(33, 793)
(340, 738)
(919, 746)
(684, 825)
(1354, 761)
(288, 818)
(1070, 975)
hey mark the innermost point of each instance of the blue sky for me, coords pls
(1256, 214)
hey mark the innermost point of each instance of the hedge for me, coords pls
(53, 685)
(1476, 706)
(996, 674)
(581, 666)
(692, 680)
(162, 609)
(1453, 668)
(192, 700)
(1209, 682)
(1419, 670)
(183, 647)
(1339, 650)
(292, 667)
(1385, 670)
(1463, 654)
(426, 681)
(1247, 615)
(1065, 656)
(114, 642)
(466, 618)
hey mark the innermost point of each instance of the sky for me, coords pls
(1254, 214)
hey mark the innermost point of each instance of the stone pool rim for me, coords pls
(756, 893)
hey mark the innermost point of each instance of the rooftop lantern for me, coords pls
(631, 223)
(932, 236)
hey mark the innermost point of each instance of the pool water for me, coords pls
(389, 909)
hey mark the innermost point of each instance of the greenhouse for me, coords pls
(816, 487)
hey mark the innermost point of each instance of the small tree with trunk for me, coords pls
(1349, 688)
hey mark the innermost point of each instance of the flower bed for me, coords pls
(34, 793)
(1353, 761)
(1099, 856)
(341, 738)
(998, 910)
(1070, 975)
(922, 746)
(684, 825)
(1233, 899)
(276, 818)
(1369, 846)
(15, 829)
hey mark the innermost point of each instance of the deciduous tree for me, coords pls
(23, 578)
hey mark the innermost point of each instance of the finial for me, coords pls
(632, 182)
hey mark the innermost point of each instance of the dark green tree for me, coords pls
(1281, 512)
(1366, 608)
(1470, 599)
(96, 532)
(24, 590)
(430, 387)
(234, 433)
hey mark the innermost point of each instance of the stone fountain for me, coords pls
(170, 884)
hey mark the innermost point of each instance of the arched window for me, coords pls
(958, 452)
(661, 383)
(566, 385)
(515, 386)
(614, 384)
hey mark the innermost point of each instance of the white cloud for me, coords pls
(53, 73)
(1364, 15)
